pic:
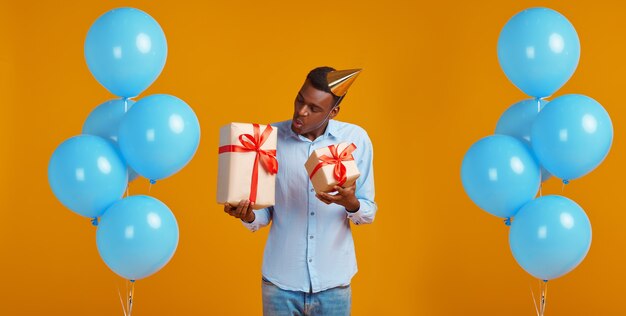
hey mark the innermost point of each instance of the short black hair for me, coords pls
(317, 77)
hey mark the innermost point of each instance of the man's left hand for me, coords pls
(344, 197)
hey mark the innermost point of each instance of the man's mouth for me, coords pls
(297, 123)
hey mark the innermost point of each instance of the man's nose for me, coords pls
(304, 110)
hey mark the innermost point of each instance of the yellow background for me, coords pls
(431, 87)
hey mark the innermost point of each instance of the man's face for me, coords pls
(311, 109)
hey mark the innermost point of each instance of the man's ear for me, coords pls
(335, 111)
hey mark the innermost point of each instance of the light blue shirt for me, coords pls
(310, 246)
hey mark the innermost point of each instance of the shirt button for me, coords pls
(312, 213)
(312, 190)
(310, 260)
(310, 237)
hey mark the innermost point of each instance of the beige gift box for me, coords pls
(240, 144)
(328, 164)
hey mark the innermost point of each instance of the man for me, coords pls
(309, 256)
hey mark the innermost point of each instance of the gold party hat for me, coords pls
(340, 80)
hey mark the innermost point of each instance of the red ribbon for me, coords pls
(251, 143)
(337, 159)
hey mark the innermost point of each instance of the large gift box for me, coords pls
(247, 164)
(332, 165)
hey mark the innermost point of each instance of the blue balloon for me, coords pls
(500, 174)
(87, 174)
(159, 136)
(125, 51)
(104, 121)
(572, 136)
(137, 236)
(517, 121)
(550, 236)
(538, 50)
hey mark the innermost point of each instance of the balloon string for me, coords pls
(130, 297)
(532, 294)
(121, 300)
(126, 110)
(541, 309)
(540, 176)
(544, 293)
(127, 306)
(538, 105)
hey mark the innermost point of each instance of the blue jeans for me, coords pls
(279, 302)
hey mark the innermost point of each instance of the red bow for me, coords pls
(267, 158)
(337, 159)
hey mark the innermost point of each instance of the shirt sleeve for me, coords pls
(262, 218)
(365, 185)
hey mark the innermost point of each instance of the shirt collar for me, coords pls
(331, 129)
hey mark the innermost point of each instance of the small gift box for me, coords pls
(247, 164)
(331, 166)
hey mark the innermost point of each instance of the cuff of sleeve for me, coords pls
(355, 217)
(254, 225)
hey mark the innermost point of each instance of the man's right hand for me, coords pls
(242, 211)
